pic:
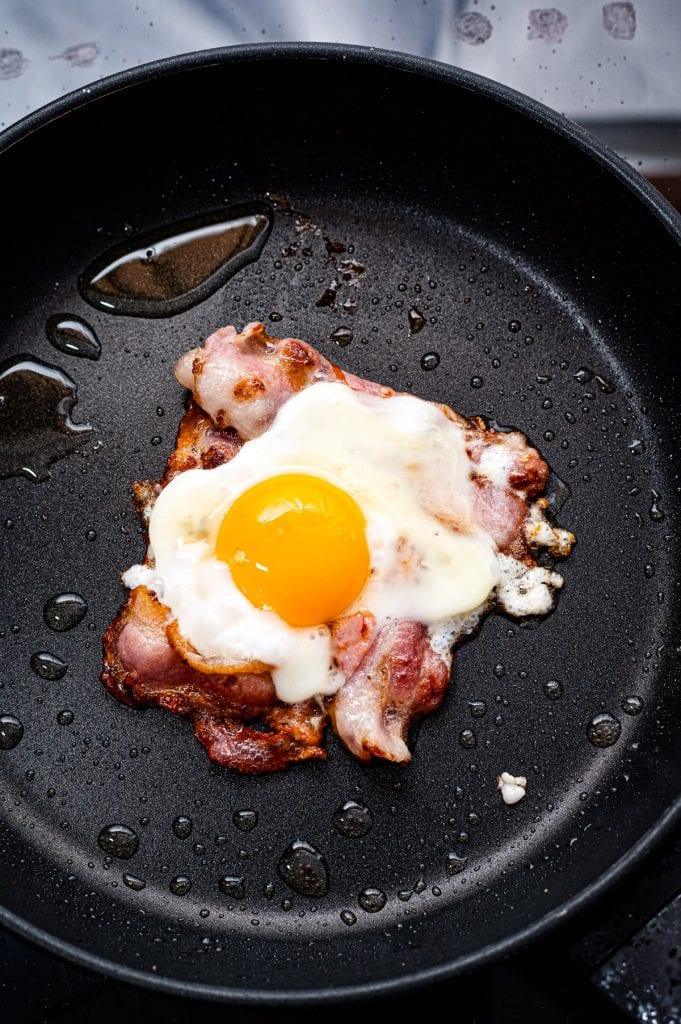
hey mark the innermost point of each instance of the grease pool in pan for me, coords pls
(168, 270)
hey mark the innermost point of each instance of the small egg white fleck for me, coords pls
(512, 787)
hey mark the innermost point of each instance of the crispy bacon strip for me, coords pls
(398, 679)
(142, 668)
(239, 381)
(242, 380)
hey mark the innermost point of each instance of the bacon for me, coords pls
(399, 679)
(241, 380)
(235, 745)
(352, 636)
(393, 675)
(142, 668)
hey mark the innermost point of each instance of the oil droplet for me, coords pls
(48, 666)
(476, 382)
(514, 326)
(245, 820)
(477, 708)
(417, 320)
(342, 336)
(304, 869)
(64, 611)
(11, 731)
(649, 571)
(180, 885)
(134, 883)
(232, 885)
(372, 900)
(430, 361)
(73, 336)
(632, 705)
(118, 841)
(467, 738)
(36, 429)
(65, 717)
(604, 730)
(454, 864)
(553, 689)
(166, 271)
(182, 826)
(353, 819)
(347, 917)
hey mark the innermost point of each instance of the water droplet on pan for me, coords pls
(48, 666)
(632, 705)
(245, 820)
(304, 869)
(353, 819)
(430, 361)
(180, 885)
(583, 375)
(118, 841)
(454, 864)
(342, 336)
(553, 689)
(604, 730)
(73, 336)
(182, 826)
(134, 883)
(64, 611)
(477, 708)
(232, 885)
(65, 717)
(606, 386)
(655, 512)
(11, 731)
(372, 900)
(347, 917)
(171, 269)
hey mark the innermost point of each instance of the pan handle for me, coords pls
(632, 949)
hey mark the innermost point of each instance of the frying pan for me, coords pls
(482, 209)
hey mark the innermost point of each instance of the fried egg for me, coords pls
(348, 501)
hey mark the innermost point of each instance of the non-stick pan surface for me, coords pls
(547, 274)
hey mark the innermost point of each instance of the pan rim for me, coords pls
(664, 214)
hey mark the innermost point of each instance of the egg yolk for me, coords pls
(296, 545)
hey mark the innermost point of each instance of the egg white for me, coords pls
(405, 464)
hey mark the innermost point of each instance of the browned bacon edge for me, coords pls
(393, 676)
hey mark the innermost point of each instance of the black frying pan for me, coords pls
(480, 208)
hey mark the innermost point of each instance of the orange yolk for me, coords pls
(296, 545)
